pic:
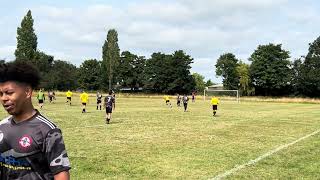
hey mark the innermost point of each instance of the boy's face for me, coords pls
(14, 97)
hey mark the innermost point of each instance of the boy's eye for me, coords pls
(9, 92)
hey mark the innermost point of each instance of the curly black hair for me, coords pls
(20, 72)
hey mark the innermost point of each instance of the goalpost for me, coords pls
(227, 94)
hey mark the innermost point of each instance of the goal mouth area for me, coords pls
(228, 95)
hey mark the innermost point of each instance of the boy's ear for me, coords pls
(28, 91)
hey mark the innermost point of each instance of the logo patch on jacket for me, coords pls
(25, 141)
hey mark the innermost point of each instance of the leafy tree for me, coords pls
(125, 69)
(226, 67)
(27, 50)
(270, 70)
(139, 69)
(245, 85)
(111, 58)
(62, 76)
(89, 75)
(156, 72)
(209, 83)
(199, 80)
(297, 78)
(169, 73)
(179, 76)
(26, 39)
(43, 61)
(310, 71)
(131, 70)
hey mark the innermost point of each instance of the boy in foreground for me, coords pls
(31, 146)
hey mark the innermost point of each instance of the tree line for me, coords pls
(268, 73)
(161, 73)
(271, 73)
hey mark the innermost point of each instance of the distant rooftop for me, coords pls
(216, 86)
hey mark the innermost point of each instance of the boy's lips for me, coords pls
(8, 107)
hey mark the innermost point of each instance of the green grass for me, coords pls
(147, 140)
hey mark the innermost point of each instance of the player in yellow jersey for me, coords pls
(167, 99)
(69, 95)
(214, 103)
(84, 98)
(40, 98)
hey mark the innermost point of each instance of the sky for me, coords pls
(75, 30)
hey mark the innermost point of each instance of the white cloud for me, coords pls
(53, 13)
(206, 67)
(7, 52)
(226, 5)
(168, 12)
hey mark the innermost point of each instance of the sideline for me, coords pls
(252, 162)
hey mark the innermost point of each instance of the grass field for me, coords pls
(147, 140)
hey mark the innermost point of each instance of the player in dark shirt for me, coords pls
(185, 100)
(193, 96)
(99, 100)
(52, 96)
(109, 104)
(31, 146)
(178, 100)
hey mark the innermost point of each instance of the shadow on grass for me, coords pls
(116, 121)
(87, 112)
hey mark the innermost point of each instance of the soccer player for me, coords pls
(178, 100)
(51, 96)
(193, 96)
(214, 103)
(99, 98)
(185, 100)
(109, 104)
(31, 146)
(69, 95)
(40, 98)
(84, 97)
(167, 99)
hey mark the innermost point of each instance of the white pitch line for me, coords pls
(251, 162)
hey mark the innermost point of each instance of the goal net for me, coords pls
(232, 95)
